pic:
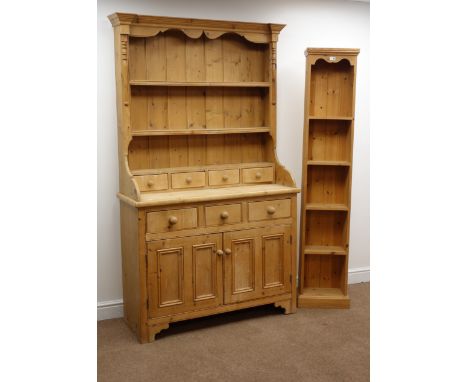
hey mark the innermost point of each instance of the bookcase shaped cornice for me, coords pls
(332, 55)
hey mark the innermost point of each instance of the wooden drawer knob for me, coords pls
(227, 251)
(220, 252)
(258, 175)
(224, 215)
(150, 183)
(188, 179)
(271, 210)
(173, 220)
(225, 178)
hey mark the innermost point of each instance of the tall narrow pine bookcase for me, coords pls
(208, 214)
(326, 177)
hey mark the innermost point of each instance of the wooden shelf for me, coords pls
(201, 84)
(328, 163)
(164, 132)
(326, 207)
(324, 250)
(335, 118)
(324, 292)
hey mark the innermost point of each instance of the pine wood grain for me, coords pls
(327, 169)
(196, 105)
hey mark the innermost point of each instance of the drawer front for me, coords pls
(188, 179)
(225, 214)
(171, 220)
(223, 177)
(257, 175)
(152, 182)
(269, 209)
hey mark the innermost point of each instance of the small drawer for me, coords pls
(152, 182)
(188, 179)
(223, 177)
(225, 214)
(171, 220)
(257, 175)
(270, 209)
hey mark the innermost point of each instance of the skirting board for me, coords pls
(109, 309)
(114, 309)
(359, 275)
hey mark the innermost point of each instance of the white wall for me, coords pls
(309, 24)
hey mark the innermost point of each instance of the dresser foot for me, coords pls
(155, 329)
(286, 305)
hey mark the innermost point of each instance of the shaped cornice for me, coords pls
(332, 55)
(148, 26)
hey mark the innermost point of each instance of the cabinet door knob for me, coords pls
(224, 215)
(220, 252)
(225, 178)
(188, 179)
(227, 251)
(150, 183)
(172, 220)
(271, 210)
(258, 175)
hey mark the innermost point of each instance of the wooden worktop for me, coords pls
(207, 194)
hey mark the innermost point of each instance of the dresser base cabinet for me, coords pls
(182, 274)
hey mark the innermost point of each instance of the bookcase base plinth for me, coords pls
(323, 298)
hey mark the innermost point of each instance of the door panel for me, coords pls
(276, 260)
(184, 274)
(204, 271)
(170, 276)
(259, 263)
(241, 265)
(272, 253)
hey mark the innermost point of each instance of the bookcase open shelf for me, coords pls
(324, 250)
(325, 276)
(326, 180)
(330, 140)
(326, 228)
(326, 207)
(328, 163)
(336, 118)
(327, 184)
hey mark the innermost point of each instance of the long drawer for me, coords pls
(269, 209)
(223, 214)
(171, 220)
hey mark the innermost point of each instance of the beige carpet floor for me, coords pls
(258, 344)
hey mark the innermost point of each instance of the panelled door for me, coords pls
(257, 263)
(184, 274)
